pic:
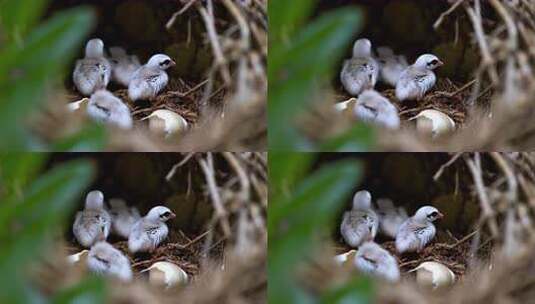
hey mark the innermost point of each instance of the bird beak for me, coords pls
(172, 63)
(172, 216)
(440, 215)
(440, 63)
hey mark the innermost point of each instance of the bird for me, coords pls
(390, 217)
(123, 217)
(149, 231)
(150, 79)
(104, 107)
(391, 66)
(373, 260)
(123, 65)
(418, 78)
(361, 71)
(371, 107)
(417, 231)
(360, 224)
(93, 72)
(94, 222)
(105, 260)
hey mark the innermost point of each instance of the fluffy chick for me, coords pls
(360, 72)
(371, 107)
(418, 78)
(123, 217)
(105, 260)
(373, 260)
(149, 231)
(417, 231)
(94, 222)
(361, 222)
(391, 65)
(390, 217)
(104, 107)
(123, 65)
(94, 71)
(150, 79)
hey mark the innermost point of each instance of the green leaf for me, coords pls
(17, 17)
(91, 290)
(91, 138)
(356, 291)
(17, 169)
(294, 72)
(286, 16)
(26, 226)
(293, 222)
(359, 138)
(24, 73)
(285, 170)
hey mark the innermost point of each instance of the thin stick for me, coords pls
(444, 166)
(446, 13)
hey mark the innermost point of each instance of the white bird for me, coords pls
(148, 232)
(390, 217)
(94, 222)
(150, 79)
(373, 260)
(94, 71)
(105, 260)
(124, 65)
(391, 65)
(371, 107)
(417, 231)
(104, 107)
(361, 222)
(418, 78)
(123, 217)
(361, 71)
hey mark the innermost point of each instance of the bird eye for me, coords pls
(434, 61)
(433, 214)
(166, 62)
(165, 214)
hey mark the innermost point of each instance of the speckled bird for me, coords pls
(93, 72)
(361, 71)
(418, 78)
(360, 224)
(150, 79)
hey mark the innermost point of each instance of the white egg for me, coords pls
(77, 257)
(342, 258)
(166, 122)
(433, 122)
(76, 105)
(433, 274)
(166, 274)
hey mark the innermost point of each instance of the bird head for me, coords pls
(161, 61)
(362, 48)
(94, 200)
(428, 61)
(94, 48)
(427, 214)
(160, 213)
(362, 200)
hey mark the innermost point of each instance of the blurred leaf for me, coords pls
(17, 169)
(25, 227)
(91, 290)
(285, 170)
(285, 17)
(17, 17)
(91, 138)
(357, 291)
(293, 72)
(24, 72)
(357, 139)
(292, 223)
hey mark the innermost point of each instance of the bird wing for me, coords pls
(355, 227)
(424, 234)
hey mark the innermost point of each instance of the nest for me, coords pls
(222, 249)
(488, 85)
(491, 257)
(219, 85)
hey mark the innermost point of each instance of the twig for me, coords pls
(444, 166)
(178, 165)
(446, 13)
(180, 12)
